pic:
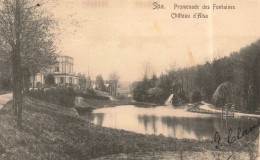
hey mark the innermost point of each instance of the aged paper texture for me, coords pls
(130, 79)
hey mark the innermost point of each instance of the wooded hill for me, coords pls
(241, 69)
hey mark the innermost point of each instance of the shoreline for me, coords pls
(90, 104)
(206, 108)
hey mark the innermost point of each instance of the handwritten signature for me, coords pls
(231, 138)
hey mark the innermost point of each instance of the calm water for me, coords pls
(166, 120)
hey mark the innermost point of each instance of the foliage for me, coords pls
(91, 96)
(26, 44)
(100, 85)
(90, 91)
(49, 79)
(140, 91)
(123, 97)
(179, 99)
(82, 81)
(196, 96)
(222, 94)
(155, 95)
(113, 83)
(37, 42)
(242, 69)
(62, 97)
(153, 80)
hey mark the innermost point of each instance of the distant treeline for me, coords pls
(241, 69)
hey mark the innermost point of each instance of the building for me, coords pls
(62, 72)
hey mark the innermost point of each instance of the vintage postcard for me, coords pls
(129, 79)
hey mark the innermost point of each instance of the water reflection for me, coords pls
(168, 121)
(99, 118)
(149, 122)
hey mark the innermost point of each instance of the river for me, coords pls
(167, 121)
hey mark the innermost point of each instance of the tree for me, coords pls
(241, 69)
(155, 95)
(100, 85)
(139, 91)
(26, 42)
(82, 81)
(196, 96)
(223, 94)
(113, 82)
(89, 83)
(145, 85)
(165, 83)
(153, 80)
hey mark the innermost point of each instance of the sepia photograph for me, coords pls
(129, 79)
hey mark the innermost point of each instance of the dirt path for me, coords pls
(207, 107)
(4, 98)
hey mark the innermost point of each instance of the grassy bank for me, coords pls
(196, 109)
(53, 132)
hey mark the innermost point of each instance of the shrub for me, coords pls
(196, 96)
(156, 95)
(62, 97)
(49, 79)
(179, 99)
(90, 96)
(91, 91)
(123, 97)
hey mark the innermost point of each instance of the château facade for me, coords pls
(62, 71)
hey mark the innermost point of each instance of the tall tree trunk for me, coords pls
(17, 84)
(14, 87)
(16, 64)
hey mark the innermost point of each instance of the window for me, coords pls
(57, 69)
(62, 80)
(70, 80)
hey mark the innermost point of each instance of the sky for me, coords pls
(127, 36)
